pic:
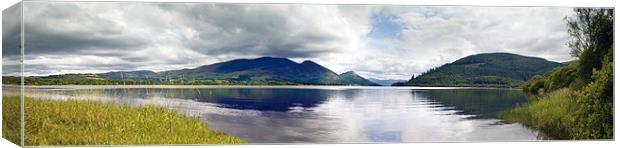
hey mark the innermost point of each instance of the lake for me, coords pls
(324, 114)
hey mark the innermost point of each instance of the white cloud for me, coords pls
(163, 36)
(434, 36)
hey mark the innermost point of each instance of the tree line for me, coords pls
(35, 80)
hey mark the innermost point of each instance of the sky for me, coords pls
(375, 41)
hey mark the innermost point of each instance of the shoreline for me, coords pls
(84, 122)
(256, 86)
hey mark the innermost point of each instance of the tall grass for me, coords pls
(11, 119)
(552, 114)
(78, 122)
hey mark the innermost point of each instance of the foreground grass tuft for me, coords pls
(75, 122)
(553, 114)
(11, 119)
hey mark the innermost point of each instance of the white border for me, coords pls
(562, 3)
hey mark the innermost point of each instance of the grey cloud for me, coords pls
(139, 32)
(11, 70)
(74, 63)
(11, 31)
(47, 69)
(59, 28)
(258, 29)
(125, 36)
(11, 40)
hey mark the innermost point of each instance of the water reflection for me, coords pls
(482, 103)
(326, 114)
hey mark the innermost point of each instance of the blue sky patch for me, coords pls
(385, 25)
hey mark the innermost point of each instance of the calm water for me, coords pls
(324, 114)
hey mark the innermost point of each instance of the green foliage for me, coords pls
(552, 114)
(441, 80)
(592, 38)
(536, 85)
(11, 80)
(34, 80)
(75, 122)
(576, 101)
(484, 70)
(555, 79)
(307, 73)
(568, 113)
(595, 110)
(75, 80)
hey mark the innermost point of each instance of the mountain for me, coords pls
(264, 69)
(351, 77)
(388, 82)
(486, 70)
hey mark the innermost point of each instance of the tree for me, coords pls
(591, 32)
(576, 101)
(586, 26)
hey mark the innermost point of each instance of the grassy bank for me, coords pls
(570, 112)
(11, 119)
(74, 122)
(576, 101)
(552, 114)
(578, 109)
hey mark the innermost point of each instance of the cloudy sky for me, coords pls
(376, 41)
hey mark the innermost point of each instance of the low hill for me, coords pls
(484, 70)
(351, 77)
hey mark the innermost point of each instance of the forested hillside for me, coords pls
(486, 70)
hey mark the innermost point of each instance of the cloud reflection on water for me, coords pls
(325, 115)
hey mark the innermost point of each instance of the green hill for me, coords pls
(351, 77)
(484, 70)
(259, 69)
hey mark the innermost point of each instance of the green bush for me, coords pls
(561, 77)
(596, 106)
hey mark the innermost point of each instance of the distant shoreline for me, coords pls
(256, 86)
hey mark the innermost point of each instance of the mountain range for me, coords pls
(480, 70)
(264, 69)
(484, 70)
